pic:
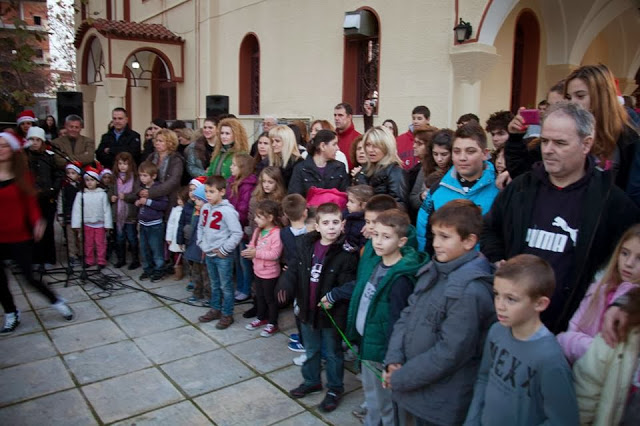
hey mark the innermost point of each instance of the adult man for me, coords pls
(342, 114)
(564, 210)
(269, 122)
(120, 138)
(73, 144)
(420, 117)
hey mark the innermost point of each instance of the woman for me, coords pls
(156, 125)
(284, 151)
(425, 166)
(170, 166)
(50, 128)
(383, 171)
(48, 180)
(320, 169)
(185, 136)
(233, 139)
(391, 125)
(318, 125)
(20, 225)
(261, 158)
(198, 153)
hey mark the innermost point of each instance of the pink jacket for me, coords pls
(266, 264)
(578, 337)
(240, 201)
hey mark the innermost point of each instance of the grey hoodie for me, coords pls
(219, 228)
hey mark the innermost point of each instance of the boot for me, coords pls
(135, 259)
(179, 274)
(121, 255)
(224, 322)
(212, 314)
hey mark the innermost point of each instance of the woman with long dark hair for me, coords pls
(198, 153)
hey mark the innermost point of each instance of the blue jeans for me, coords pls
(221, 276)
(314, 340)
(244, 270)
(152, 248)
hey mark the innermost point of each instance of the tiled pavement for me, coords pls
(133, 358)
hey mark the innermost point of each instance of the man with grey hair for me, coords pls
(75, 146)
(565, 210)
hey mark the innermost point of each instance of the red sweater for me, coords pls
(18, 213)
(344, 141)
(404, 143)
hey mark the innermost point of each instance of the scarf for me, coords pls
(121, 207)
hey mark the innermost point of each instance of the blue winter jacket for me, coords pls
(482, 193)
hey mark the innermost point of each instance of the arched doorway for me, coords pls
(249, 77)
(526, 52)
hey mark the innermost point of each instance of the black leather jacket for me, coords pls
(391, 180)
(47, 176)
(305, 175)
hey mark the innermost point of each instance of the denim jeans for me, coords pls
(314, 340)
(128, 233)
(221, 277)
(152, 248)
(244, 270)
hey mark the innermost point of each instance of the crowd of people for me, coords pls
(476, 286)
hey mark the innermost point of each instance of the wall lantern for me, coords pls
(463, 31)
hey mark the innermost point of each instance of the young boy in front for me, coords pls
(219, 233)
(524, 378)
(435, 349)
(321, 264)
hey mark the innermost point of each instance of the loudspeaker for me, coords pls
(68, 103)
(217, 105)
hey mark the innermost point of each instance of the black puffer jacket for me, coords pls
(306, 174)
(48, 176)
(129, 141)
(390, 180)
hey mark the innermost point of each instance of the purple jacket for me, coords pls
(240, 201)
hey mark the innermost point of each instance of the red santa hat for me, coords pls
(75, 166)
(105, 171)
(26, 115)
(93, 172)
(13, 140)
(199, 181)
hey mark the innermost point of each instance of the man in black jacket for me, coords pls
(119, 139)
(564, 210)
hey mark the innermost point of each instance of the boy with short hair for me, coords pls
(472, 177)
(497, 127)
(524, 378)
(435, 348)
(321, 265)
(219, 233)
(151, 220)
(357, 197)
(376, 205)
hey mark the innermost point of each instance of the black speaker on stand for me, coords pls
(217, 105)
(68, 103)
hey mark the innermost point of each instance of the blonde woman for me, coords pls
(383, 170)
(233, 139)
(283, 152)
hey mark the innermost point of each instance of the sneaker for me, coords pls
(193, 299)
(11, 322)
(224, 322)
(250, 313)
(330, 401)
(304, 390)
(190, 286)
(156, 276)
(300, 360)
(269, 330)
(144, 276)
(256, 323)
(212, 314)
(296, 347)
(360, 413)
(294, 337)
(241, 297)
(64, 309)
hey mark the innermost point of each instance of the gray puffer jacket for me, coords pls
(439, 339)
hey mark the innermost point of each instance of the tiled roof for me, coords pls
(126, 29)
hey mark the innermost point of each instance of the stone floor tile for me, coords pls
(236, 333)
(206, 372)
(84, 312)
(183, 413)
(174, 344)
(264, 354)
(173, 289)
(28, 324)
(342, 415)
(127, 303)
(148, 322)
(106, 361)
(87, 335)
(304, 419)
(71, 294)
(23, 349)
(34, 379)
(252, 402)
(62, 408)
(189, 312)
(131, 394)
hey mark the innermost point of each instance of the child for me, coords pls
(497, 125)
(607, 380)
(358, 196)
(376, 205)
(239, 188)
(435, 347)
(91, 209)
(193, 254)
(524, 378)
(66, 198)
(126, 215)
(420, 117)
(150, 218)
(265, 249)
(186, 228)
(106, 179)
(622, 274)
(499, 161)
(385, 281)
(172, 232)
(321, 265)
(219, 233)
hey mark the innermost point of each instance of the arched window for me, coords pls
(361, 58)
(249, 76)
(526, 51)
(163, 92)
